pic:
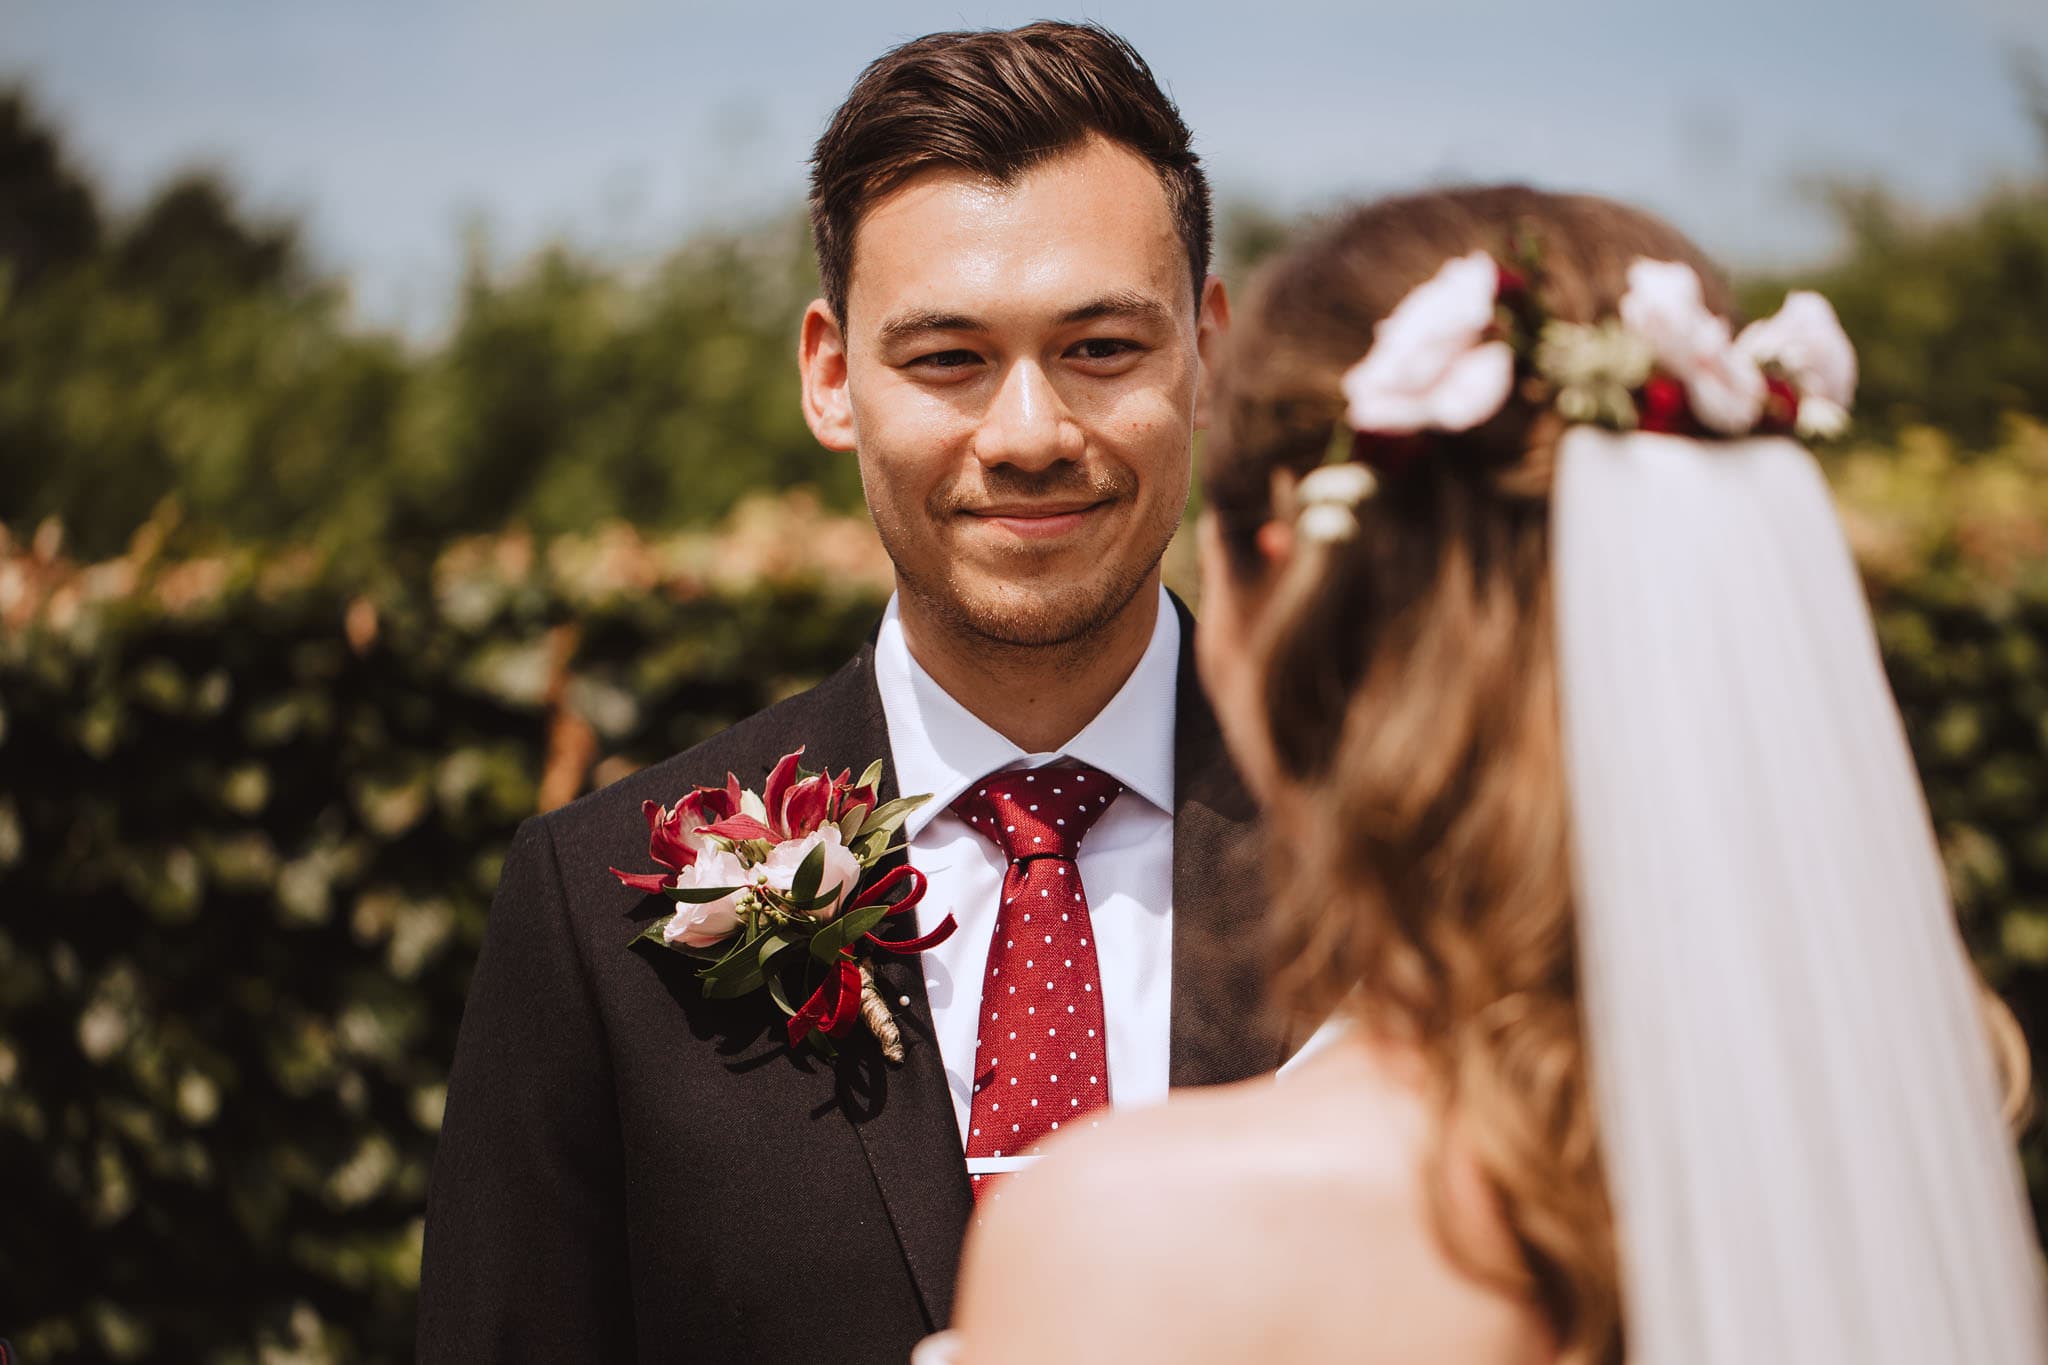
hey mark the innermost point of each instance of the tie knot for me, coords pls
(1038, 812)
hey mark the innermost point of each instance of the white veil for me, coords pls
(1795, 1091)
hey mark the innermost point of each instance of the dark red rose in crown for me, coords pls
(1661, 405)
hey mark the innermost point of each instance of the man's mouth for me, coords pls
(1038, 520)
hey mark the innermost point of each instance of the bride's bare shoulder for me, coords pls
(1285, 1221)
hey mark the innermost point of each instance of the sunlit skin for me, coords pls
(1021, 373)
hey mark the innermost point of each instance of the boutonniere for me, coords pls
(769, 895)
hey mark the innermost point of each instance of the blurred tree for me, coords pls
(1945, 312)
(48, 218)
(570, 392)
(194, 354)
(1246, 234)
(193, 239)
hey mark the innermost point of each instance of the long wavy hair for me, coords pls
(1410, 693)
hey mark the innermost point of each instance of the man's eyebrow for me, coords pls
(918, 321)
(1123, 304)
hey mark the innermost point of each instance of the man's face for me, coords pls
(1019, 372)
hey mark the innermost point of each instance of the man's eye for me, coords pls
(1104, 348)
(947, 360)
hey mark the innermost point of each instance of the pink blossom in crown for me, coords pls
(1691, 343)
(1805, 342)
(1432, 365)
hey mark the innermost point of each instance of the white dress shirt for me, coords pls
(1126, 860)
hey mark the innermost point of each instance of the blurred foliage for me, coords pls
(1954, 549)
(268, 719)
(250, 820)
(1946, 311)
(191, 354)
(1946, 314)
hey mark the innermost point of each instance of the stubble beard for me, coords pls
(1067, 618)
(987, 614)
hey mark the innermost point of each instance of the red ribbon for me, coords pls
(835, 1005)
(903, 947)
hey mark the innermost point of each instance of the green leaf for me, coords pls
(872, 775)
(701, 895)
(653, 932)
(724, 985)
(828, 941)
(771, 944)
(891, 815)
(814, 904)
(779, 995)
(804, 886)
(740, 945)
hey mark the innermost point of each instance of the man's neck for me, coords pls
(1036, 696)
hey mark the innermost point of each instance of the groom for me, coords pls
(1013, 237)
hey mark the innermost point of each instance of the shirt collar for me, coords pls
(940, 746)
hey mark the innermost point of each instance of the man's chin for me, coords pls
(1021, 616)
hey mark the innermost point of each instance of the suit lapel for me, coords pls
(903, 1114)
(1220, 1030)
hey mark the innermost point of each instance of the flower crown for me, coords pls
(1452, 353)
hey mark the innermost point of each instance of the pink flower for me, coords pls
(1664, 306)
(1431, 367)
(842, 869)
(1805, 339)
(699, 926)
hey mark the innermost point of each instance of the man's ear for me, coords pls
(821, 361)
(1212, 324)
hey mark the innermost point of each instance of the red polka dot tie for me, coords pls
(1040, 1056)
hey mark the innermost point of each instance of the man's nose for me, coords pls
(1026, 424)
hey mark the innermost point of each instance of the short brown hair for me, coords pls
(996, 103)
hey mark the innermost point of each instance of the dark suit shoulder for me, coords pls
(829, 721)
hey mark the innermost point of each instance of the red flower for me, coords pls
(1781, 404)
(1661, 405)
(672, 833)
(851, 799)
(795, 806)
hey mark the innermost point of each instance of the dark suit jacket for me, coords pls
(628, 1170)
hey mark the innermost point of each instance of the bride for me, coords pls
(1599, 856)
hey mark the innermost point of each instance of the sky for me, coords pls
(392, 128)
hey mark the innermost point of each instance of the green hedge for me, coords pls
(1955, 550)
(251, 814)
(249, 826)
